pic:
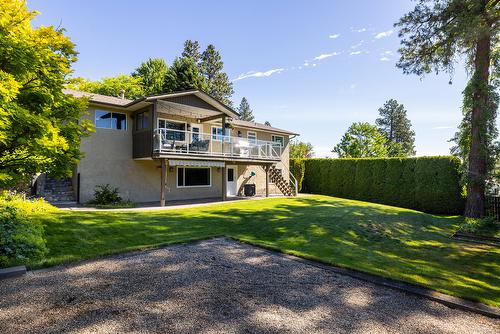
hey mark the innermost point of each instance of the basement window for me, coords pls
(194, 177)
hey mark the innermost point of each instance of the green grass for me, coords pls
(486, 227)
(392, 242)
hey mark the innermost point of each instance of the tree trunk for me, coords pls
(474, 207)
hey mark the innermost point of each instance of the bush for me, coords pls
(21, 233)
(297, 168)
(429, 184)
(106, 195)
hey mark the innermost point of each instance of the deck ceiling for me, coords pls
(183, 110)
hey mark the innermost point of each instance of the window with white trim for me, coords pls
(252, 137)
(194, 177)
(280, 140)
(174, 130)
(110, 120)
(217, 133)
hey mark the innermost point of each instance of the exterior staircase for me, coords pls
(58, 191)
(279, 181)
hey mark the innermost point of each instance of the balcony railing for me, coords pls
(169, 141)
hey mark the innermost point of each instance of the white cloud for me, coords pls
(359, 30)
(326, 55)
(355, 53)
(352, 86)
(254, 74)
(442, 127)
(384, 34)
(334, 36)
(385, 59)
(355, 46)
(387, 53)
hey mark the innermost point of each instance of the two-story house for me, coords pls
(179, 146)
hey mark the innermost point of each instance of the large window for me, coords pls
(174, 130)
(193, 177)
(252, 137)
(279, 140)
(141, 120)
(217, 133)
(110, 120)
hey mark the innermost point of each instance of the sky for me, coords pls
(312, 67)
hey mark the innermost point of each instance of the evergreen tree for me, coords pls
(246, 113)
(362, 140)
(301, 150)
(192, 50)
(218, 84)
(434, 35)
(183, 75)
(153, 73)
(267, 123)
(397, 128)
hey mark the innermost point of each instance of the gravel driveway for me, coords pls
(216, 286)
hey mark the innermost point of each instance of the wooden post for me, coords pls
(223, 133)
(224, 183)
(266, 168)
(163, 181)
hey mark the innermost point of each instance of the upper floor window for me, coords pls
(141, 120)
(173, 130)
(217, 133)
(278, 140)
(110, 120)
(252, 137)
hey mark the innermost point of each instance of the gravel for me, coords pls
(216, 286)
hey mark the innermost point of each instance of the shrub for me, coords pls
(106, 195)
(297, 168)
(430, 184)
(21, 233)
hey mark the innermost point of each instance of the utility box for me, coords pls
(249, 189)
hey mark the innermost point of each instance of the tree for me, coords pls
(218, 84)
(435, 34)
(184, 75)
(112, 86)
(267, 123)
(301, 150)
(40, 127)
(397, 128)
(362, 140)
(192, 50)
(245, 111)
(152, 73)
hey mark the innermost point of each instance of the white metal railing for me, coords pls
(198, 143)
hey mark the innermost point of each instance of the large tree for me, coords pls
(184, 75)
(152, 73)
(435, 35)
(218, 83)
(192, 50)
(131, 86)
(245, 111)
(397, 128)
(40, 127)
(362, 140)
(301, 150)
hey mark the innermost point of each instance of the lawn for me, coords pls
(393, 242)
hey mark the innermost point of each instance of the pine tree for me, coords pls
(183, 75)
(192, 50)
(245, 111)
(397, 128)
(218, 84)
(153, 73)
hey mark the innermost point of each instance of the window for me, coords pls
(217, 133)
(195, 133)
(175, 130)
(110, 120)
(252, 137)
(141, 120)
(193, 177)
(230, 174)
(280, 140)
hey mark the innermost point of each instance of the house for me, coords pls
(179, 146)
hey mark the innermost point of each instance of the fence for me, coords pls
(492, 207)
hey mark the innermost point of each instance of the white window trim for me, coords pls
(228, 133)
(186, 134)
(200, 133)
(248, 136)
(186, 167)
(111, 112)
(282, 144)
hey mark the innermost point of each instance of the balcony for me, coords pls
(190, 143)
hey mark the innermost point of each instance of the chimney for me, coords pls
(122, 94)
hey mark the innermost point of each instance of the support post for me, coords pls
(266, 168)
(223, 134)
(224, 183)
(163, 181)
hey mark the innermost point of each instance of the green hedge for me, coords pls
(429, 184)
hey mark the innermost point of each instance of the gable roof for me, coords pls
(98, 98)
(260, 126)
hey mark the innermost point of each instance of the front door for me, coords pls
(231, 180)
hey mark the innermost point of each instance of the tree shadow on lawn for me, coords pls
(392, 242)
(214, 286)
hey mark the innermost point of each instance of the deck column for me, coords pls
(266, 168)
(224, 183)
(163, 181)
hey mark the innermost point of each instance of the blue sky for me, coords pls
(313, 67)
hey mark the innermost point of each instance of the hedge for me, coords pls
(429, 184)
